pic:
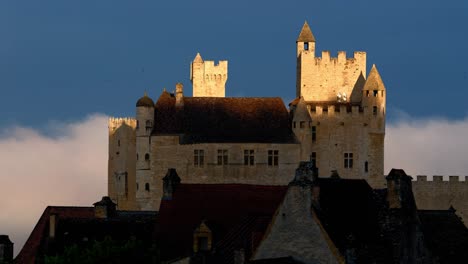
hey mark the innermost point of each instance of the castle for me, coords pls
(337, 121)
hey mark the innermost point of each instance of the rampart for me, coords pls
(441, 193)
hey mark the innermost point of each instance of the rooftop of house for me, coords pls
(223, 119)
(77, 223)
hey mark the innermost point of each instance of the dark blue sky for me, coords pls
(61, 60)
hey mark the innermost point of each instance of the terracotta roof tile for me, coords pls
(224, 207)
(216, 119)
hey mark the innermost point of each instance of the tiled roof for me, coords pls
(30, 249)
(80, 222)
(219, 119)
(224, 207)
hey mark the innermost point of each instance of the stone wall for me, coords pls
(166, 152)
(440, 194)
(321, 79)
(339, 131)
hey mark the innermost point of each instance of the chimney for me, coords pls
(307, 175)
(105, 208)
(52, 225)
(399, 190)
(6, 249)
(179, 94)
(170, 182)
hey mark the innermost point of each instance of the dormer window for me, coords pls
(202, 238)
(306, 45)
(376, 93)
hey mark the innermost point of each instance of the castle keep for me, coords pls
(337, 121)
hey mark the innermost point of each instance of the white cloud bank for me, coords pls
(434, 146)
(71, 167)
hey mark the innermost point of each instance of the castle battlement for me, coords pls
(359, 56)
(221, 63)
(440, 178)
(338, 110)
(116, 122)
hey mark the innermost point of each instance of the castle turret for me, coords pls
(373, 102)
(145, 119)
(305, 41)
(208, 79)
(373, 92)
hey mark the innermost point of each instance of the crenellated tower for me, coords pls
(208, 79)
(144, 127)
(121, 166)
(339, 115)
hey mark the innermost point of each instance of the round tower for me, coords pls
(373, 102)
(144, 127)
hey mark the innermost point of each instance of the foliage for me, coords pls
(107, 251)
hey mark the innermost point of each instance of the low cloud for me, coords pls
(432, 146)
(70, 167)
(37, 170)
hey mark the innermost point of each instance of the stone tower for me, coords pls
(322, 79)
(144, 119)
(339, 116)
(121, 166)
(208, 79)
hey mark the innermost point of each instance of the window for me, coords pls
(137, 156)
(367, 93)
(374, 110)
(302, 124)
(198, 157)
(118, 142)
(147, 156)
(313, 159)
(348, 160)
(249, 157)
(306, 45)
(203, 243)
(126, 184)
(273, 158)
(314, 133)
(148, 123)
(137, 124)
(222, 156)
(294, 124)
(376, 93)
(366, 166)
(137, 186)
(147, 188)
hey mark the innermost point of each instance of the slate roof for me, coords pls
(306, 34)
(145, 101)
(224, 120)
(349, 212)
(445, 235)
(227, 209)
(374, 81)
